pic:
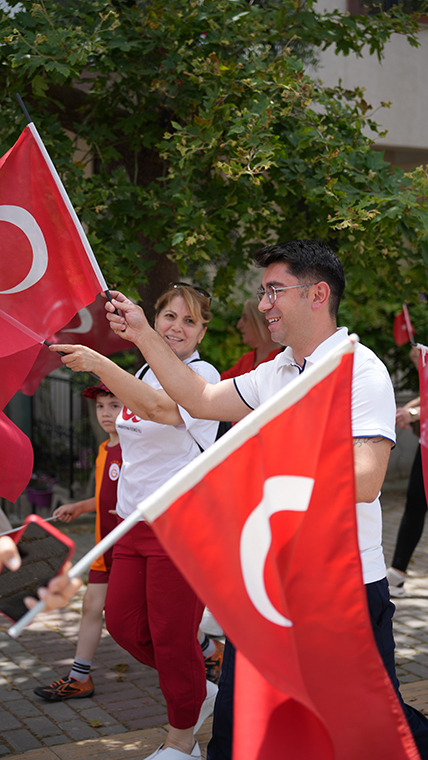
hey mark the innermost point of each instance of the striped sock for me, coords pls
(80, 669)
(207, 646)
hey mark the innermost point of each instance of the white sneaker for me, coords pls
(396, 583)
(209, 624)
(207, 705)
(175, 754)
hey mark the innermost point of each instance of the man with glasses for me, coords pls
(302, 285)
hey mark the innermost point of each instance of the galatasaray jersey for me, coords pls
(107, 469)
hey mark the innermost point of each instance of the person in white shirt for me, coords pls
(151, 611)
(303, 282)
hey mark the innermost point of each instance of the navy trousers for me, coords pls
(381, 612)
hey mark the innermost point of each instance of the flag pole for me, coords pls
(408, 324)
(21, 103)
(83, 564)
(107, 292)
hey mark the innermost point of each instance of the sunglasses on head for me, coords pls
(199, 290)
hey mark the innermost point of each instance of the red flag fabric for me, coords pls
(14, 370)
(267, 537)
(16, 457)
(47, 269)
(403, 331)
(88, 327)
(423, 392)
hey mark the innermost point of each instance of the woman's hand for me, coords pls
(78, 358)
(130, 319)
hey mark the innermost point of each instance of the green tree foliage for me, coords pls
(209, 138)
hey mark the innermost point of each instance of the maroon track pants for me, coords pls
(152, 612)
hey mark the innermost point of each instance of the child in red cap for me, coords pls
(78, 683)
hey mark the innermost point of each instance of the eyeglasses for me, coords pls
(271, 291)
(199, 290)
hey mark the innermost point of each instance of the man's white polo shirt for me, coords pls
(373, 414)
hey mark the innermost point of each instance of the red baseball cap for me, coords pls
(93, 390)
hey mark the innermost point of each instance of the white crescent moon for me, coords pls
(86, 322)
(21, 218)
(280, 494)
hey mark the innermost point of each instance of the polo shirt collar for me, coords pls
(286, 356)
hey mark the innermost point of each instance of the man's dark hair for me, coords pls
(310, 260)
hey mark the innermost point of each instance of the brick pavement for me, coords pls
(127, 713)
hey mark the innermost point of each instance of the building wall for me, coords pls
(399, 78)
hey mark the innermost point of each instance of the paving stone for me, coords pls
(112, 730)
(9, 694)
(78, 729)
(8, 721)
(58, 711)
(23, 708)
(42, 726)
(50, 741)
(21, 740)
(24, 680)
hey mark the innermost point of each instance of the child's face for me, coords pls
(108, 407)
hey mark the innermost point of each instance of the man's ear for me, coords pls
(321, 294)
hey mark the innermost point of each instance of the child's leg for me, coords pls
(90, 630)
(92, 620)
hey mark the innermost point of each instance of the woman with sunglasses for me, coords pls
(151, 611)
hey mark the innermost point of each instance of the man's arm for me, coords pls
(201, 399)
(371, 456)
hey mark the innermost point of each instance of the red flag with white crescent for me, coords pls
(263, 526)
(47, 269)
(89, 327)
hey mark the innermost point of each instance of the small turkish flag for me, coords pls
(263, 526)
(423, 392)
(403, 331)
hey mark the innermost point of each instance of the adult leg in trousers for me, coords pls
(220, 745)
(381, 612)
(413, 519)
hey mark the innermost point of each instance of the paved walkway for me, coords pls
(127, 714)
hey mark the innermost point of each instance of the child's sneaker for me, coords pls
(214, 662)
(66, 688)
(396, 583)
(209, 624)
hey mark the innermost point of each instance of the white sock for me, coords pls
(80, 669)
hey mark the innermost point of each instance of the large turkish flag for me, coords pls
(263, 526)
(47, 269)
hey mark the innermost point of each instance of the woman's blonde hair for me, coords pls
(197, 303)
(255, 317)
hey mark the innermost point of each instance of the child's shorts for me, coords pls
(98, 576)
